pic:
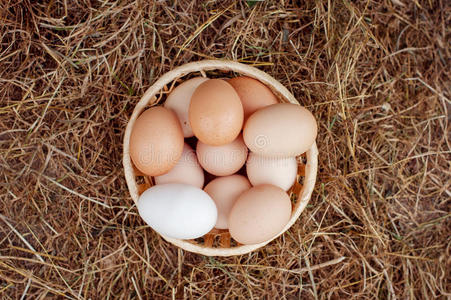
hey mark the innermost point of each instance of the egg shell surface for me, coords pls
(222, 160)
(177, 210)
(259, 214)
(156, 141)
(280, 130)
(216, 112)
(179, 100)
(225, 191)
(253, 94)
(187, 170)
(280, 172)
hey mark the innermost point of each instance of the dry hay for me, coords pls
(376, 74)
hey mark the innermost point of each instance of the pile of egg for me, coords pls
(235, 123)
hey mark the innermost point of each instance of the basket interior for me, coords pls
(216, 238)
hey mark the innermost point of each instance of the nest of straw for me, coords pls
(374, 73)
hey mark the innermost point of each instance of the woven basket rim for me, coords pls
(224, 65)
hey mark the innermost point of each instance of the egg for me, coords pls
(176, 210)
(179, 100)
(280, 172)
(280, 130)
(259, 214)
(253, 94)
(222, 160)
(216, 113)
(187, 170)
(156, 141)
(224, 191)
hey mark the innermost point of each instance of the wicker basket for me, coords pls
(218, 242)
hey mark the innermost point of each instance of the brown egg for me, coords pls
(224, 191)
(259, 214)
(216, 112)
(253, 94)
(222, 160)
(179, 99)
(156, 141)
(280, 130)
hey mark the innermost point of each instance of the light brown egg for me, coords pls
(216, 112)
(280, 130)
(156, 141)
(187, 170)
(280, 172)
(259, 214)
(222, 160)
(179, 99)
(224, 191)
(253, 94)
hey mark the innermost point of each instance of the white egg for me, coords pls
(179, 100)
(280, 172)
(177, 210)
(187, 170)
